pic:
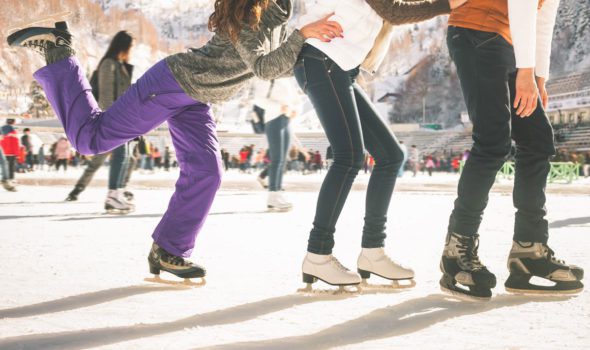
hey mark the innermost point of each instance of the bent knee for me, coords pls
(349, 162)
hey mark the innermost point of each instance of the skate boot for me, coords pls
(528, 259)
(375, 261)
(159, 260)
(43, 39)
(8, 186)
(276, 202)
(461, 268)
(328, 269)
(116, 203)
(73, 196)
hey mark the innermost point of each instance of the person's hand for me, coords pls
(323, 29)
(542, 92)
(456, 3)
(527, 92)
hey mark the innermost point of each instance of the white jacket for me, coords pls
(361, 25)
(281, 99)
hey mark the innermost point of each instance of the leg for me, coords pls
(330, 91)
(484, 61)
(273, 135)
(118, 168)
(534, 146)
(95, 163)
(286, 143)
(130, 168)
(3, 166)
(483, 71)
(197, 150)
(11, 166)
(155, 97)
(383, 146)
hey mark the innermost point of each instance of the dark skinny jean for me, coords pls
(279, 139)
(352, 125)
(487, 70)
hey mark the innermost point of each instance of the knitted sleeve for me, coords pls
(269, 65)
(399, 12)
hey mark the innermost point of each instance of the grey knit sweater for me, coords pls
(217, 71)
(399, 12)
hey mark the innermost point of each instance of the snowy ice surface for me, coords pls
(72, 277)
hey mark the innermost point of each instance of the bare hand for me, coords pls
(456, 3)
(543, 92)
(323, 29)
(527, 92)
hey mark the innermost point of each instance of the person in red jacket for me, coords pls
(6, 183)
(10, 146)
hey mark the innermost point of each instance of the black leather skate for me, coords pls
(41, 39)
(464, 276)
(160, 260)
(527, 260)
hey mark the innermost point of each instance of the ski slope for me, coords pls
(72, 278)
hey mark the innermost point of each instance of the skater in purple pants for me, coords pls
(178, 90)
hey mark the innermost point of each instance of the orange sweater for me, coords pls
(484, 15)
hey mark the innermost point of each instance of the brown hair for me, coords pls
(230, 16)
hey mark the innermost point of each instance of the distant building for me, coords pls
(569, 99)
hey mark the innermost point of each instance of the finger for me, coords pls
(521, 106)
(331, 31)
(336, 26)
(517, 103)
(325, 18)
(531, 104)
(535, 100)
(329, 34)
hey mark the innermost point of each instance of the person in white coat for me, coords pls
(327, 73)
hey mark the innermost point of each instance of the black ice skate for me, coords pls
(42, 39)
(73, 196)
(527, 260)
(160, 260)
(464, 276)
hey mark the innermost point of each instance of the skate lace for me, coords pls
(177, 260)
(338, 265)
(467, 248)
(550, 254)
(39, 46)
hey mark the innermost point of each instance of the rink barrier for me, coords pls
(567, 172)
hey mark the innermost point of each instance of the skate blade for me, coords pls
(118, 212)
(187, 283)
(279, 210)
(543, 292)
(56, 17)
(465, 297)
(394, 286)
(341, 291)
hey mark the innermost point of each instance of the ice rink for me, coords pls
(72, 277)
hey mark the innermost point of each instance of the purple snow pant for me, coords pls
(155, 98)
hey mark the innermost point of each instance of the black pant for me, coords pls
(487, 70)
(11, 160)
(61, 162)
(351, 124)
